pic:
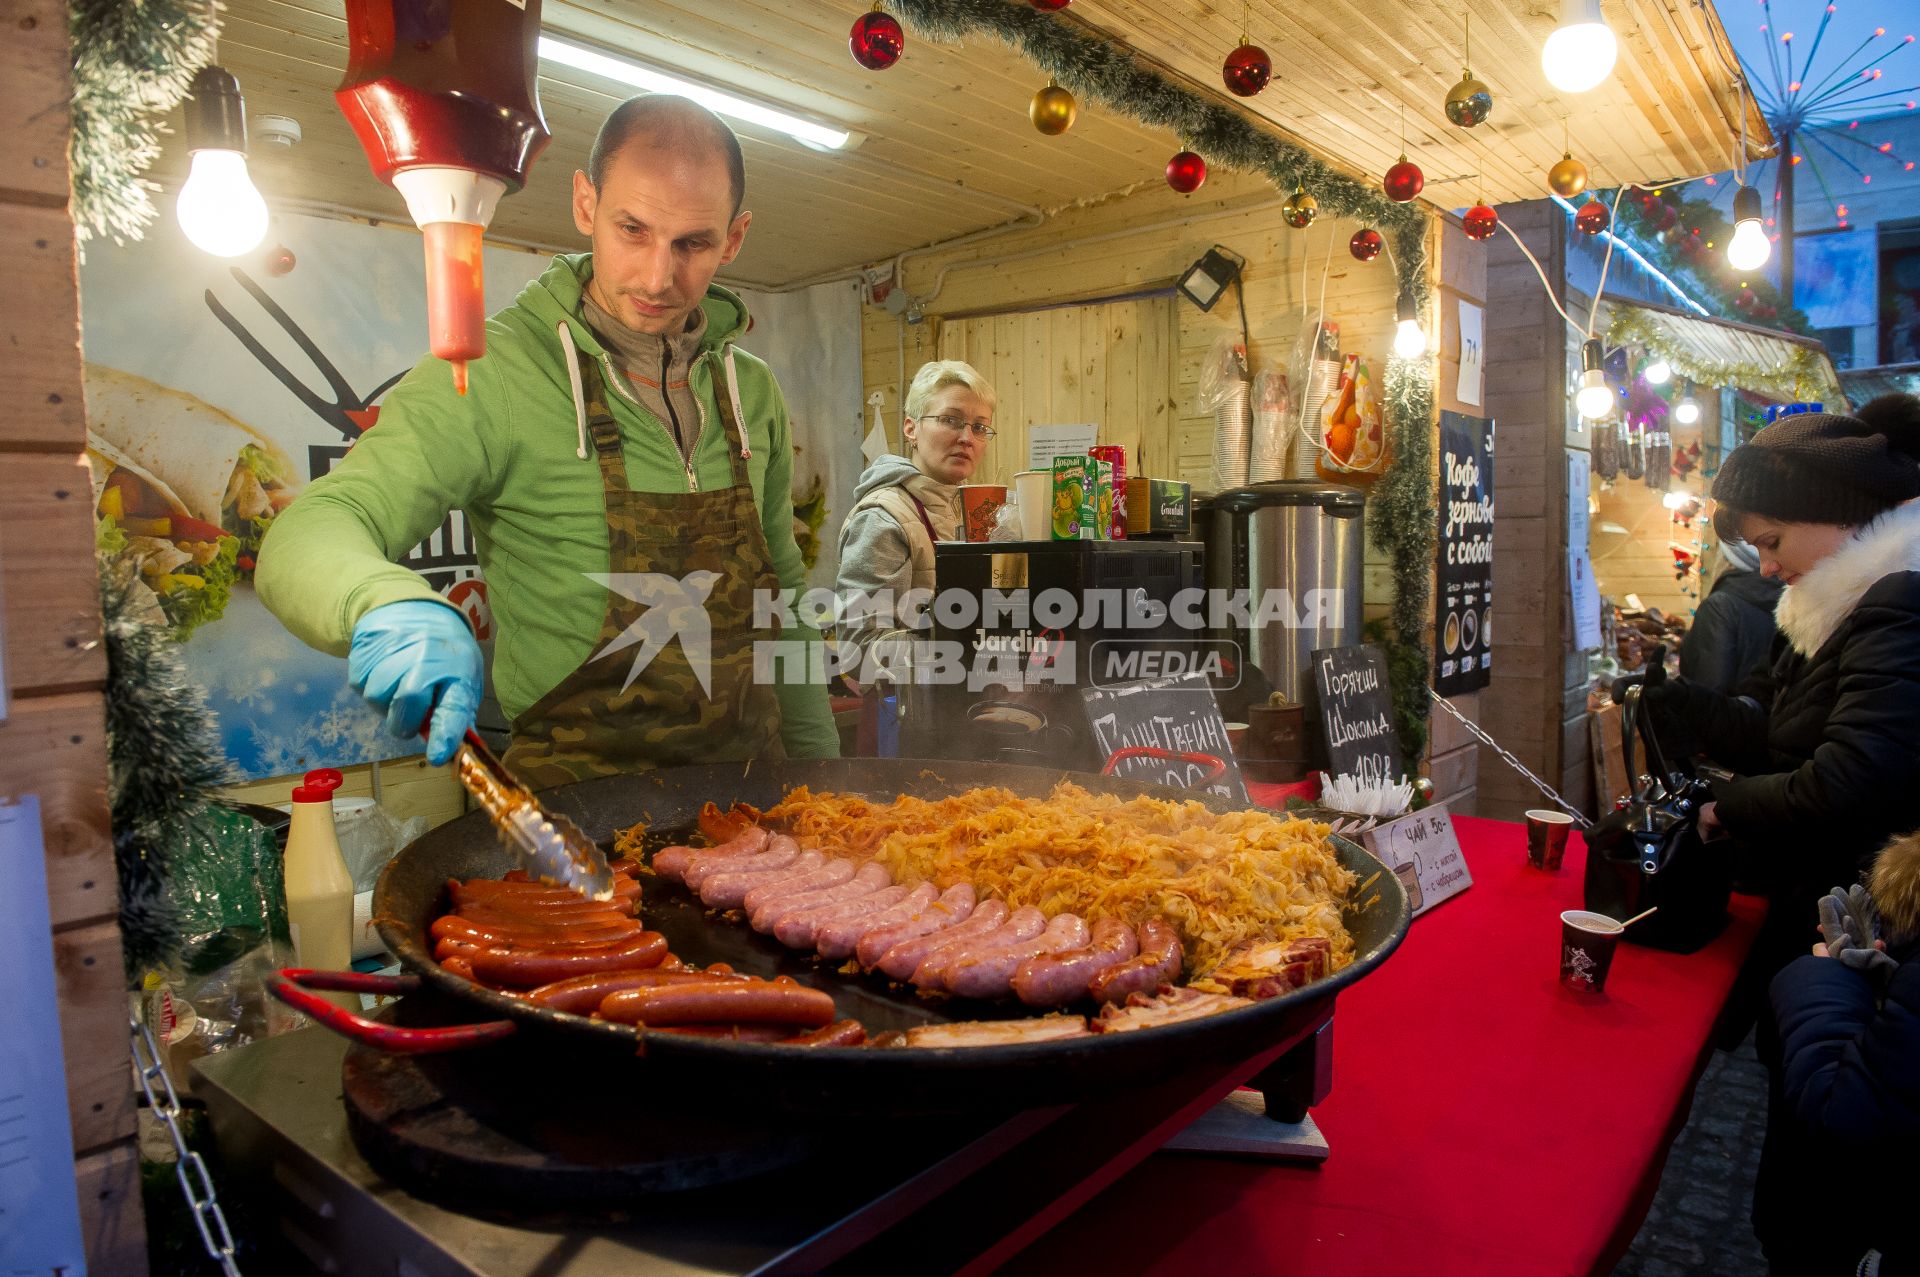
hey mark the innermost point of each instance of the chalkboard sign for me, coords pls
(1176, 714)
(1463, 548)
(1356, 712)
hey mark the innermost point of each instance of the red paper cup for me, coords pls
(1547, 838)
(1587, 942)
(980, 502)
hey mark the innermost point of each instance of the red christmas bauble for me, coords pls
(1481, 222)
(280, 261)
(1186, 172)
(1592, 218)
(1247, 70)
(1051, 6)
(1745, 301)
(1366, 244)
(1404, 181)
(877, 40)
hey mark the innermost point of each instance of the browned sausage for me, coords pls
(458, 966)
(531, 968)
(839, 1033)
(732, 1032)
(1159, 963)
(490, 915)
(487, 890)
(720, 1002)
(530, 934)
(1053, 979)
(582, 994)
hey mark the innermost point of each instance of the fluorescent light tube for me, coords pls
(637, 75)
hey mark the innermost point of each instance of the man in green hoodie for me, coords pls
(628, 475)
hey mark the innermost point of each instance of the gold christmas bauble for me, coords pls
(1567, 178)
(1053, 110)
(1300, 210)
(1469, 102)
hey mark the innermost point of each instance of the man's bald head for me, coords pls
(664, 122)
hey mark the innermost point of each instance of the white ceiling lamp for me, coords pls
(1658, 373)
(1409, 339)
(623, 70)
(1582, 49)
(219, 208)
(1595, 397)
(1687, 410)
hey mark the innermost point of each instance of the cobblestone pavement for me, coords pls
(1698, 1225)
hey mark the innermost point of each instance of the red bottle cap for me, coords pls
(319, 786)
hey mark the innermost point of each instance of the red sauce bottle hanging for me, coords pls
(442, 95)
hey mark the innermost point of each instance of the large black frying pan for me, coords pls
(412, 892)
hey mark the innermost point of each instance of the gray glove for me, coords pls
(1847, 921)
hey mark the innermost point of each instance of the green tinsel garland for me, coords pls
(163, 760)
(1098, 70)
(132, 63)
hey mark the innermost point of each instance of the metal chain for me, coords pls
(1474, 730)
(207, 1215)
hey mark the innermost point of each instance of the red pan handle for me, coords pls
(1218, 766)
(291, 986)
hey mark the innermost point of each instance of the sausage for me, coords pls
(549, 912)
(531, 968)
(1026, 923)
(727, 888)
(778, 852)
(583, 994)
(837, 935)
(801, 929)
(731, 1032)
(955, 905)
(839, 1033)
(514, 894)
(672, 862)
(987, 972)
(904, 959)
(1053, 979)
(457, 966)
(563, 917)
(530, 934)
(786, 880)
(1158, 963)
(720, 1002)
(860, 880)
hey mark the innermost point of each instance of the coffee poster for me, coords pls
(1463, 618)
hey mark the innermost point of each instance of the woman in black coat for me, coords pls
(1828, 766)
(1839, 1185)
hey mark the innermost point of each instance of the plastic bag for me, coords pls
(370, 836)
(228, 892)
(1272, 427)
(1225, 394)
(1006, 522)
(1314, 375)
(1354, 447)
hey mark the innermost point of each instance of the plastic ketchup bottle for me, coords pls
(442, 95)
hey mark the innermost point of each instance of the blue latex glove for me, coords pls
(414, 657)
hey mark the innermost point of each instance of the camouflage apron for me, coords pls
(607, 718)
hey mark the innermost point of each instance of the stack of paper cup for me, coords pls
(1232, 437)
(1272, 428)
(1033, 490)
(1323, 382)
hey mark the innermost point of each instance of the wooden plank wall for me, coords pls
(408, 788)
(53, 740)
(1029, 305)
(1536, 704)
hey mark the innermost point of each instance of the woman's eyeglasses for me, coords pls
(981, 430)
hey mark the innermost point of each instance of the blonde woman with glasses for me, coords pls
(904, 504)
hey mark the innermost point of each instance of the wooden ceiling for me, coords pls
(948, 149)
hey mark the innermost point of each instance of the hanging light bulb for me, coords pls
(219, 208)
(1595, 399)
(1687, 410)
(1581, 51)
(1409, 339)
(1749, 248)
(1658, 373)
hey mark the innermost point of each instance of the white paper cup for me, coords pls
(1034, 489)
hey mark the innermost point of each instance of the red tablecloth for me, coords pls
(1483, 1119)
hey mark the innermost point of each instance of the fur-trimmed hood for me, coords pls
(1811, 611)
(1896, 887)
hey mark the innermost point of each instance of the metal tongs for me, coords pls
(550, 847)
